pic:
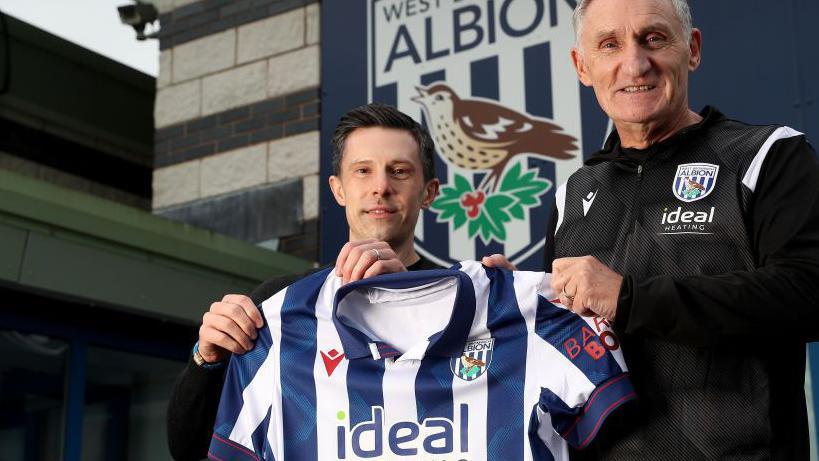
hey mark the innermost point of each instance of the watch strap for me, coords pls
(201, 362)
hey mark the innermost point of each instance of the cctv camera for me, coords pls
(138, 16)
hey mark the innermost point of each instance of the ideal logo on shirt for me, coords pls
(681, 221)
(374, 439)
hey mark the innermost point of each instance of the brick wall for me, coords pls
(237, 119)
(186, 20)
(255, 123)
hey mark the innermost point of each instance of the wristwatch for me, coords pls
(201, 362)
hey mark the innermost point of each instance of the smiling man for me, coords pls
(636, 56)
(383, 177)
(382, 182)
(697, 237)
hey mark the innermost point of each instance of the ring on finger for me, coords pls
(377, 254)
(568, 296)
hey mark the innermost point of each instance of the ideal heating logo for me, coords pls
(686, 222)
(372, 439)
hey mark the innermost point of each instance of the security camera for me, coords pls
(138, 16)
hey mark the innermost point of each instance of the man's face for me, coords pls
(636, 57)
(381, 185)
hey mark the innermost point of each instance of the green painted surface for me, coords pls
(73, 244)
(12, 245)
(130, 279)
(62, 209)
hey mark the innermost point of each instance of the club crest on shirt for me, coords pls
(694, 181)
(474, 360)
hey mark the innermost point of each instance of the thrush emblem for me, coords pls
(694, 181)
(480, 136)
(474, 361)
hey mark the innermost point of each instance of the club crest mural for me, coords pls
(493, 82)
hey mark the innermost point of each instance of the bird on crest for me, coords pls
(472, 362)
(692, 189)
(481, 135)
(471, 366)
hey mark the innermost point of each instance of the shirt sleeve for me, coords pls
(243, 420)
(777, 299)
(192, 410)
(195, 398)
(549, 244)
(582, 373)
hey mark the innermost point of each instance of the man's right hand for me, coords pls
(366, 258)
(229, 326)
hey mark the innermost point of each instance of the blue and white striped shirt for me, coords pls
(472, 363)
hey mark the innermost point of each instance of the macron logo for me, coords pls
(587, 202)
(331, 360)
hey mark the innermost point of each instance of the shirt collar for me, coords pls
(613, 151)
(445, 343)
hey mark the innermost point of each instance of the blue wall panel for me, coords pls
(757, 60)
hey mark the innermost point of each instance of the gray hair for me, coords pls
(680, 6)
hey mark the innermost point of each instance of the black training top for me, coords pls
(716, 231)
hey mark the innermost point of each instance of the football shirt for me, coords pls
(470, 363)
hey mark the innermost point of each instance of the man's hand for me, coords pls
(229, 326)
(587, 286)
(366, 258)
(498, 260)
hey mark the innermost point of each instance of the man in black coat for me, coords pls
(697, 237)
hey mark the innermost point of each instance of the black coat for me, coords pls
(721, 287)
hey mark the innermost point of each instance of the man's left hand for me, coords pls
(366, 258)
(587, 286)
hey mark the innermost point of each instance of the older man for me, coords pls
(697, 236)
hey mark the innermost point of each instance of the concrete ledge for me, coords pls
(37, 205)
(251, 215)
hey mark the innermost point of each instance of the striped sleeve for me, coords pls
(560, 205)
(751, 176)
(243, 419)
(582, 374)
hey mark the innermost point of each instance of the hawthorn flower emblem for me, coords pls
(486, 213)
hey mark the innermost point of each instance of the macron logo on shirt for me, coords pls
(331, 360)
(588, 200)
(370, 410)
